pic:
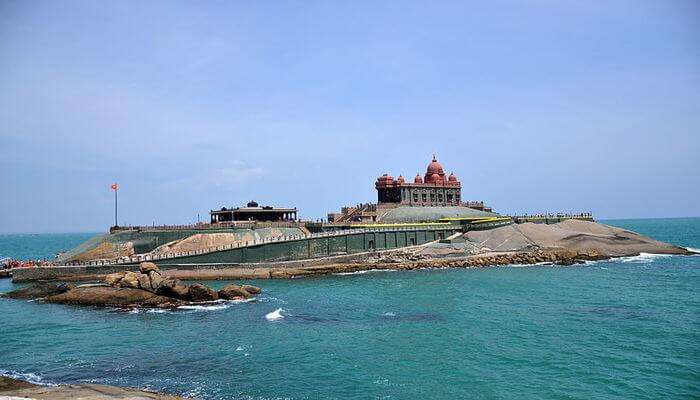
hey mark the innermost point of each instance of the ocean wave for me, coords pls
(365, 271)
(694, 250)
(208, 306)
(205, 307)
(26, 376)
(270, 298)
(275, 315)
(643, 258)
(528, 265)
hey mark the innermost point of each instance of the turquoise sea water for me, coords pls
(623, 329)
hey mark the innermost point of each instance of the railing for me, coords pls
(558, 215)
(248, 243)
(218, 225)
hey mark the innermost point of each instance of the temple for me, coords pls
(253, 212)
(433, 189)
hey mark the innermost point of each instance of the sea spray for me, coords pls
(275, 315)
(643, 258)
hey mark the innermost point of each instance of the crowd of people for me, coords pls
(9, 263)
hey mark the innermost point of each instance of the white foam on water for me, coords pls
(156, 311)
(389, 314)
(643, 258)
(26, 376)
(275, 315)
(364, 271)
(239, 348)
(202, 307)
(272, 298)
(694, 250)
(215, 305)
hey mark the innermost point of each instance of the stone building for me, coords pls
(432, 195)
(435, 188)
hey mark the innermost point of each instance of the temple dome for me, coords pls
(400, 179)
(418, 179)
(435, 178)
(452, 178)
(435, 168)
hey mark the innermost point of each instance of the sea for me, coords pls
(627, 328)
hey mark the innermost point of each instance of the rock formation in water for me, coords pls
(146, 288)
(570, 235)
(16, 389)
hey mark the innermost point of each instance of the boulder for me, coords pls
(130, 280)
(156, 279)
(233, 292)
(7, 384)
(144, 282)
(199, 292)
(113, 279)
(39, 290)
(251, 289)
(146, 267)
(17, 389)
(111, 296)
(173, 287)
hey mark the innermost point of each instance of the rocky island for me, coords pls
(418, 224)
(127, 289)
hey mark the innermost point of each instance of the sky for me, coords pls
(535, 105)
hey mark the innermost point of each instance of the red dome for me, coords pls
(385, 178)
(435, 168)
(435, 178)
(400, 179)
(418, 179)
(452, 178)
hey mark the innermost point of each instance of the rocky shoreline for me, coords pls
(145, 288)
(554, 257)
(11, 388)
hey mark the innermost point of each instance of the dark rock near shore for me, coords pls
(7, 383)
(251, 289)
(234, 292)
(15, 388)
(199, 292)
(39, 290)
(173, 287)
(114, 297)
(131, 289)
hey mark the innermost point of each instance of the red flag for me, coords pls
(114, 186)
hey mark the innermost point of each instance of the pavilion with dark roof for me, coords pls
(253, 212)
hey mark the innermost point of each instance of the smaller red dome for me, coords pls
(418, 179)
(400, 179)
(435, 178)
(385, 178)
(452, 177)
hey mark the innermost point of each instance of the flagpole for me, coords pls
(115, 207)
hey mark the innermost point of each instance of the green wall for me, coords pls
(316, 247)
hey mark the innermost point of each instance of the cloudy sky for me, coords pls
(535, 105)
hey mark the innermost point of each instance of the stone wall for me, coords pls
(284, 253)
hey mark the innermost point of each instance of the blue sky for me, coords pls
(535, 105)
